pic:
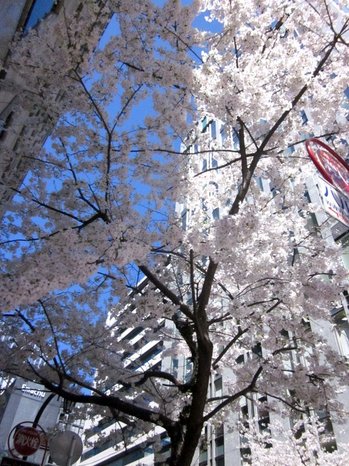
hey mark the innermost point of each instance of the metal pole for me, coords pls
(71, 451)
(37, 419)
(42, 409)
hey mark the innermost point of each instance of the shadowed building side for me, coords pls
(26, 118)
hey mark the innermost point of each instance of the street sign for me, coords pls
(26, 441)
(65, 448)
(333, 201)
(332, 167)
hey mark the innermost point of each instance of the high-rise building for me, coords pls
(25, 116)
(222, 445)
(122, 444)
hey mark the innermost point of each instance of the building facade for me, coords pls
(122, 444)
(26, 117)
(223, 444)
(20, 403)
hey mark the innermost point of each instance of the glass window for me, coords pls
(184, 217)
(257, 350)
(223, 134)
(304, 117)
(259, 182)
(214, 163)
(204, 124)
(212, 189)
(236, 142)
(215, 213)
(175, 367)
(240, 359)
(213, 129)
(326, 435)
(342, 332)
(218, 386)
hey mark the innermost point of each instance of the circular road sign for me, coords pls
(333, 168)
(65, 448)
(26, 441)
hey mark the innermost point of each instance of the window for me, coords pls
(203, 448)
(184, 219)
(342, 332)
(326, 436)
(219, 434)
(240, 359)
(263, 415)
(245, 453)
(257, 350)
(223, 134)
(213, 130)
(175, 367)
(218, 387)
(188, 369)
(212, 189)
(304, 117)
(236, 141)
(134, 332)
(204, 124)
(215, 213)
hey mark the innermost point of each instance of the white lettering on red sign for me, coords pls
(26, 441)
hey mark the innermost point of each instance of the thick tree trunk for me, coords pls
(185, 435)
(190, 444)
(182, 453)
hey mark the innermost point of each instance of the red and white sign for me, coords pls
(26, 441)
(333, 201)
(333, 168)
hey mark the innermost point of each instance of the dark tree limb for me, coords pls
(250, 387)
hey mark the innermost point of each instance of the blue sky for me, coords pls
(38, 11)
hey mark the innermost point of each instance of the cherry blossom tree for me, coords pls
(93, 229)
(298, 446)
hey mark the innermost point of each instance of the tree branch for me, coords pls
(228, 346)
(250, 387)
(167, 292)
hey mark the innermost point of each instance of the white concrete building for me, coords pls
(222, 445)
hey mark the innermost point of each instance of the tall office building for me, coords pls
(222, 444)
(115, 443)
(26, 116)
